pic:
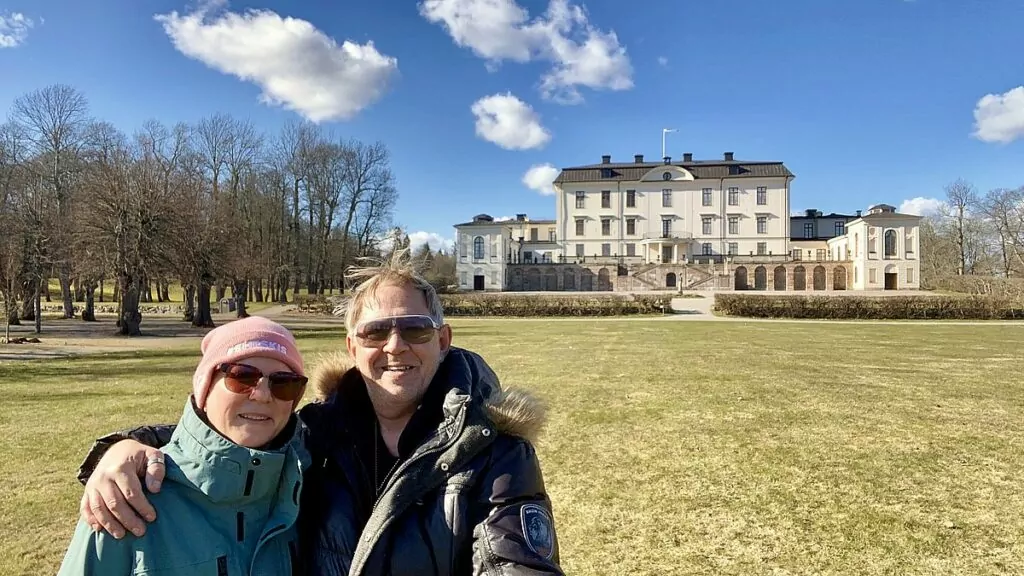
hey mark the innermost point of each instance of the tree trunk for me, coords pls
(159, 292)
(282, 289)
(259, 290)
(28, 303)
(241, 290)
(65, 291)
(129, 318)
(39, 309)
(101, 289)
(221, 290)
(203, 317)
(10, 307)
(190, 302)
(89, 313)
(166, 290)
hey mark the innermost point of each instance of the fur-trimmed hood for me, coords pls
(513, 412)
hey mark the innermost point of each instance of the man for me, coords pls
(422, 464)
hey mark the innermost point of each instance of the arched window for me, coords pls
(478, 248)
(890, 243)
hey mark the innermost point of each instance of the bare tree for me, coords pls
(961, 200)
(1004, 209)
(54, 118)
(369, 185)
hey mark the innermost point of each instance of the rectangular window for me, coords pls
(551, 235)
(666, 198)
(630, 249)
(808, 230)
(579, 250)
(533, 234)
(494, 249)
(666, 227)
(579, 226)
(762, 224)
(705, 249)
(762, 248)
(910, 275)
(580, 199)
(840, 228)
(463, 246)
(797, 253)
(462, 279)
(762, 195)
(705, 197)
(734, 196)
(630, 198)
(820, 254)
(606, 198)
(734, 248)
(705, 225)
(630, 226)
(734, 224)
(494, 278)
(871, 276)
(606, 249)
(606, 226)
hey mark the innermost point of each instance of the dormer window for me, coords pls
(606, 172)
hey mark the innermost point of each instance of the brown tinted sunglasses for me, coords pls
(242, 378)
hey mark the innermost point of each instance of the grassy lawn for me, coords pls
(672, 447)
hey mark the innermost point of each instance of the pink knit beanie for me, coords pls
(231, 342)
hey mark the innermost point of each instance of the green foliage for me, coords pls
(571, 304)
(952, 307)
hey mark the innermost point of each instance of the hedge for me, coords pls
(525, 305)
(940, 307)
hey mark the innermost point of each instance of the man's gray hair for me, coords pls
(397, 270)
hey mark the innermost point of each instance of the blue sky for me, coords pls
(866, 101)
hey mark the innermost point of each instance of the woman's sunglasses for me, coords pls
(414, 329)
(242, 378)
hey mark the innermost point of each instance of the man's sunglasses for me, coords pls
(242, 378)
(414, 329)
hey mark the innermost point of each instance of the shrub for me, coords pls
(939, 307)
(316, 304)
(1007, 287)
(570, 304)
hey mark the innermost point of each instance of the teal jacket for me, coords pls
(223, 510)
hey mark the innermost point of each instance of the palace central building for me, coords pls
(674, 212)
(689, 224)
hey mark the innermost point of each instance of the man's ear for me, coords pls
(445, 338)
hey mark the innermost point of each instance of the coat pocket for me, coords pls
(218, 566)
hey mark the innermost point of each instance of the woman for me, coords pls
(234, 468)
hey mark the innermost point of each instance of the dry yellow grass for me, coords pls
(672, 447)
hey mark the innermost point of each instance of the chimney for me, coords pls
(728, 156)
(606, 159)
(520, 217)
(638, 158)
(667, 159)
(858, 213)
(688, 157)
(810, 212)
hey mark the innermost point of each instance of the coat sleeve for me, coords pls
(155, 436)
(97, 553)
(516, 535)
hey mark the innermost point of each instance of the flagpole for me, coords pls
(663, 132)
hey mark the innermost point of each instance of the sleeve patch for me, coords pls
(538, 530)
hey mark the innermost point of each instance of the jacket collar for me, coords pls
(200, 457)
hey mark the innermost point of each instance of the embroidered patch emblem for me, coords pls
(538, 530)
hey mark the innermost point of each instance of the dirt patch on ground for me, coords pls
(63, 338)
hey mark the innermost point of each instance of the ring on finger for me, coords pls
(154, 460)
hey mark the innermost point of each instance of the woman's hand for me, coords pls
(113, 499)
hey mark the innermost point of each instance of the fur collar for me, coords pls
(513, 412)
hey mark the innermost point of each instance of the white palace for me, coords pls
(687, 225)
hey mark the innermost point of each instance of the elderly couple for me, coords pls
(413, 461)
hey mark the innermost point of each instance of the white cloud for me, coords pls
(296, 65)
(1000, 117)
(540, 177)
(509, 122)
(663, 61)
(921, 206)
(14, 29)
(433, 239)
(503, 219)
(498, 30)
